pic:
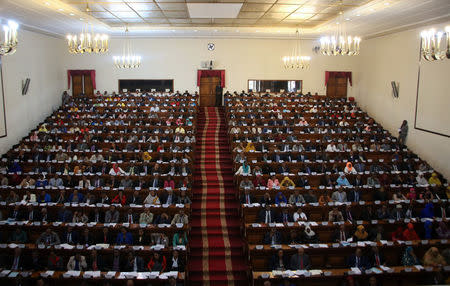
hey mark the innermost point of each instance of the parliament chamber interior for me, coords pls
(241, 142)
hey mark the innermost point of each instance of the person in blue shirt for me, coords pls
(124, 237)
(44, 197)
(342, 181)
(41, 182)
(427, 211)
(280, 198)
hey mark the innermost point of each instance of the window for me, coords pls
(274, 85)
(145, 84)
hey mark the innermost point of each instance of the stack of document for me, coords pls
(71, 273)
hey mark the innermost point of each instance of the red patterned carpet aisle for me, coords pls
(216, 256)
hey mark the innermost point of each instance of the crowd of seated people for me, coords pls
(315, 173)
(113, 170)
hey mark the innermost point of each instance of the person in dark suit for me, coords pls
(70, 236)
(267, 215)
(175, 263)
(340, 234)
(95, 262)
(247, 198)
(18, 261)
(300, 260)
(168, 198)
(105, 237)
(273, 237)
(348, 214)
(442, 211)
(219, 94)
(285, 217)
(354, 195)
(16, 213)
(130, 217)
(141, 238)
(134, 199)
(116, 262)
(86, 237)
(279, 261)
(376, 258)
(357, 260)
(134, 263)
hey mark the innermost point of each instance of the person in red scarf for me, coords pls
(54, 262)
(157, 263)
(410, 233)
(119, 199)
(398, 234)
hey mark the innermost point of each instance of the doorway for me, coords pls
(208, 90)
(337, 85)
(82, 83)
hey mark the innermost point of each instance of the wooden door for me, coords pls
(337, 86)
(77, 85)
(208, 90)
(88, 87)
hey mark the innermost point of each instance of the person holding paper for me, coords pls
(300, 260)
(335, 215)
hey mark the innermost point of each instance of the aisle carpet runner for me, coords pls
(216, 246)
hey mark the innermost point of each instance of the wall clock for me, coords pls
(211, 47)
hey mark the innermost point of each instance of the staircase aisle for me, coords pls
(216, 246)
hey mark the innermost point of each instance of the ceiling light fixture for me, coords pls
(435, 45)
(9, 45)
(339, 43)
(128, 60)
(296, 60)
(87, 42)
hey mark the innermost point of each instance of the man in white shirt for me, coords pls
(299, 215)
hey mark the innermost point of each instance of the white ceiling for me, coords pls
(255, 19)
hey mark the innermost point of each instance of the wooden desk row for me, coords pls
(334, 255)
(324, 230)
(399, 275)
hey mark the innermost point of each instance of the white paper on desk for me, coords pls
(356, 271)
(4, 273)
(384, 268)
(109, 274)
(322, 245)
(277, 273)
(315, 272)
(300, 272)
(66, 246)
(171, 274)
(180, 247)
(361, 243)
(48, 273)
(419, 267)
(13, 274)
(376, 270)
(72, 273)
(313, 223)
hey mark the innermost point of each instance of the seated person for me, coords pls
(300, 260)
(335, 215)
(280, 198)
(357, 260)
(409, 258)
(279, 261)
(296, 197)
(360, 234)
(309, 236)
(273, 237)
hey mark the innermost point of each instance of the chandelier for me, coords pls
(87, 42)
(296, 60)
(339, 43)
(128, 60)
(435, 45)
(9, 44)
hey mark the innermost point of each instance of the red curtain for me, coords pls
(328, 74)
(211, 73)
(70, 73)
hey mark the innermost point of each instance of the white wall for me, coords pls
(38, 57)
(395, 58)
(179, 59)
